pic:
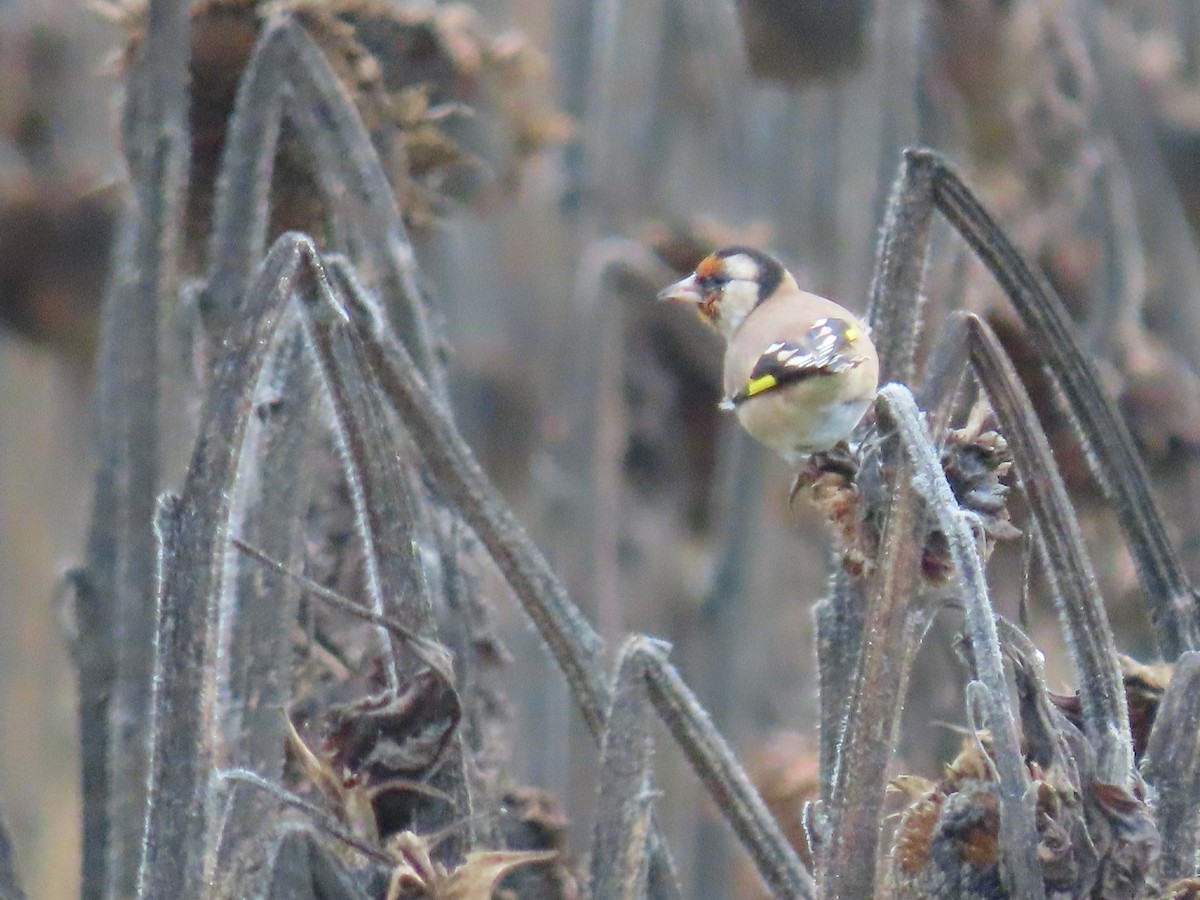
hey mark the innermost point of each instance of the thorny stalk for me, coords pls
(926, 183)
(839, 620)
(571, 639)
(376, 365)
(289, 77)
(848, 865)
(253, 652)
(385, 511)
(563, 628)
(1018, 834)
(1170, 597)
(624, 798)
(195, 529)
(116, 592)
(1066, 565)
(192, 529)
(10, 885)
(1172, 765)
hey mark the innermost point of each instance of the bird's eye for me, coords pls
(710, 282)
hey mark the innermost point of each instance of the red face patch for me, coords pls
(709, 266)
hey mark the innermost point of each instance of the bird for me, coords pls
(800, 371)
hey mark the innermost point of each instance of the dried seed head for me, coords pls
(948, 841)
(1089, 833)
(831, 480)
(412, 74)
(1144, 688)
(533, 819)
(1183, 889)
(976, 462)
(683, 246)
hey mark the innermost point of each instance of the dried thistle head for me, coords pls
(831, 480)
(948, 840)
(1183, 889)
(977, 461)
(533, 819)
(948, 843)
(416, 876)
(369, 758)
(682, 245)
(1094, 838)
(454, 113)
(1144, 689)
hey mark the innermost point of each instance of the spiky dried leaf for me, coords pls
(476, 878)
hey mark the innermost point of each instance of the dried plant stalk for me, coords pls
(926, 183)
(1172, 765)
(1067, 568)
(10, 885)
(116, 605)
(1018, 834)
(193, 530)
(847, 865)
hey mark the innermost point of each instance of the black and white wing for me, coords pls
(825, 350)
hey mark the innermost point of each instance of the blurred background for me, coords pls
(609, 146)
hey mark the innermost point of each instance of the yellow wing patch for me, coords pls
(760, 384)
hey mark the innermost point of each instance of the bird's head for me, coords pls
(727, 285)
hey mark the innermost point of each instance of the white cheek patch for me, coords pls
(741, 267)
(738, 299)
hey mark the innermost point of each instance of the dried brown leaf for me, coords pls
(476, 878)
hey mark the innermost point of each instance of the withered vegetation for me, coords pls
(287, 624)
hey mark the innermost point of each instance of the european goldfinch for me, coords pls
(800, 370)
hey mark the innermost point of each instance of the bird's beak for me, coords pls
(684, 291)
